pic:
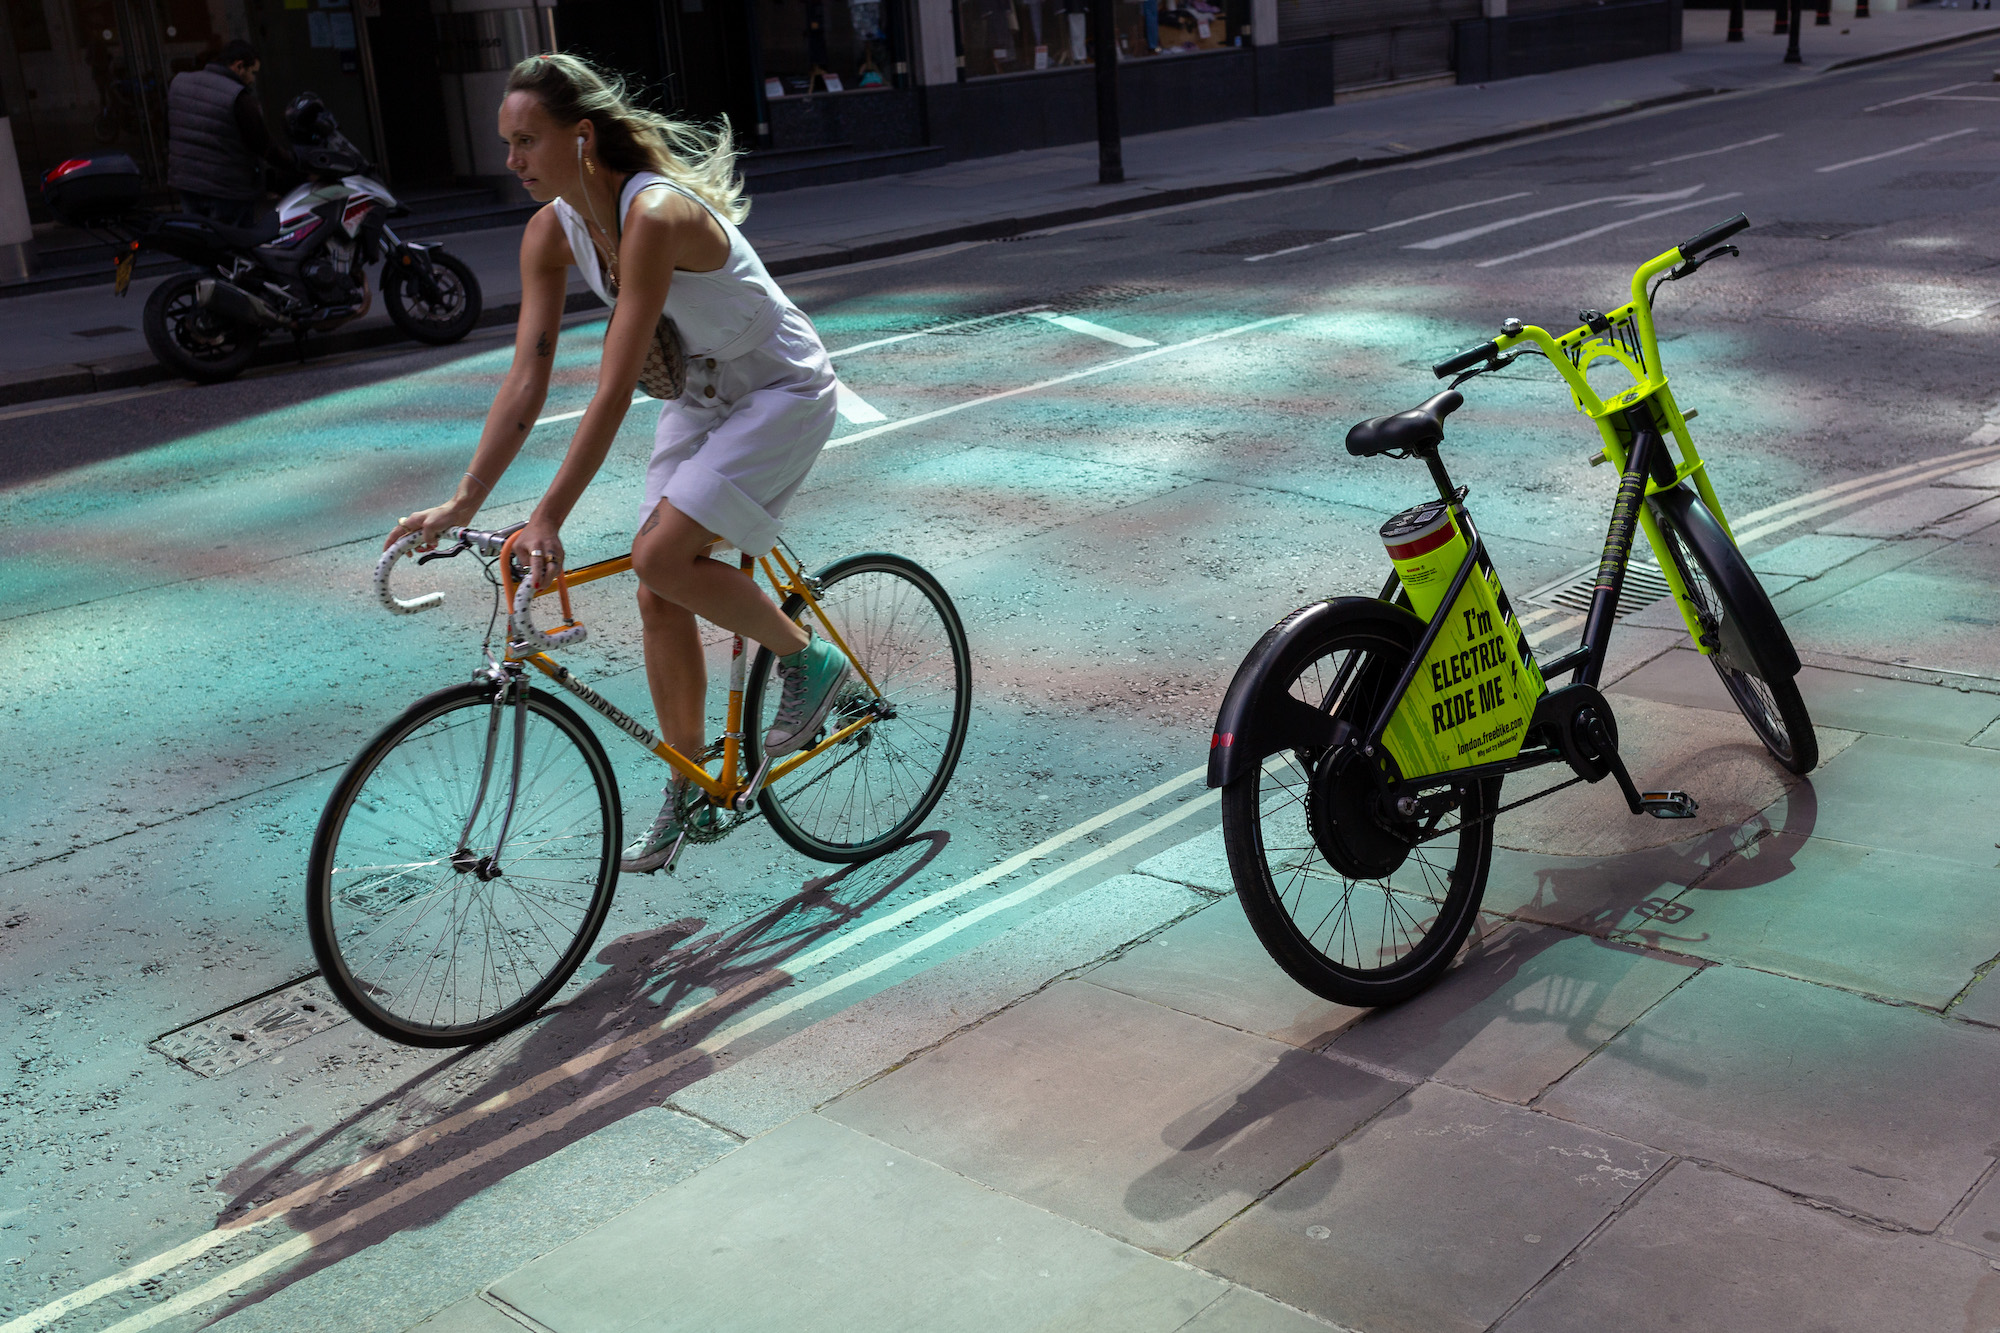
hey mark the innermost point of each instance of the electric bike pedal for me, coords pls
(1668, 804)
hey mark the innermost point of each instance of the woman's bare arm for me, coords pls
(545, 260)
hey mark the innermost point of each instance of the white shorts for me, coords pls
(732, 451)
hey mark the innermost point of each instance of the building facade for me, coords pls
(823, 90)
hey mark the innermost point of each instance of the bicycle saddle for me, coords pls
(1422, 427)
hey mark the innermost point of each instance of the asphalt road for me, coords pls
(1118, 445)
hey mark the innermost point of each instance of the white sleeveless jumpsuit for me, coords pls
(733, 449)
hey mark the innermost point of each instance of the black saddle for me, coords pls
(1422, 427)
(264, 230)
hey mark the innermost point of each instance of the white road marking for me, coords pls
(1391, 226)
(937, 328)
(91, 400)
(1609, 226)
(852, 406)
(862, 266)
(1854, 497)
(1621, 200)
(1075, 325)
(1893, 152)
(1981, 441)
(1918, 97)
(346, 1176)
(1547, 632)
(1039, 385)
(1294, 249)
(1711, 152)
(544, 421)
(1965, 98)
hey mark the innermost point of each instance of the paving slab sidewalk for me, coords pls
(87, 339)
(1737, 1081)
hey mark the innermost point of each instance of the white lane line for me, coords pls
(1711, 152)
(1918, 97)
(316, 1190)
(1539, 613)
(1075, 325)
(1965, 98)
(1547, 632)
(862, 266)
(1893, 152)
(1051, 383)
(1853, 497)
(1622, 200)
(1981, 441)
(938, 328)
(1294, 249)
(223, 1282)
(852, 406)
(1391, 226)
(539, 421)
(1609, 226)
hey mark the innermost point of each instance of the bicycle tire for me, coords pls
(392, 944)
(1769, 701)
(865, 795)
(1350, 938)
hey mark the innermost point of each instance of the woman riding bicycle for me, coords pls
(646, 208)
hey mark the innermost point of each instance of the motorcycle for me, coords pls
(303, 270)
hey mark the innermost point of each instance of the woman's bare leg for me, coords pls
(676, 672)
(670, 555)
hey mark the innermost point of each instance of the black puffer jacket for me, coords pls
(205, 149)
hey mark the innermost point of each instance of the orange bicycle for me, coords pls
(467, 857)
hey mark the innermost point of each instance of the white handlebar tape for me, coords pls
(386, 564)
(521, 627)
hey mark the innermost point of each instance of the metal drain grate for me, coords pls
(1644, 585)
(254, 1029)
(1806, 231)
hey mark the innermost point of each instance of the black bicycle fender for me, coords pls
(1259, 716)
(1764, 640)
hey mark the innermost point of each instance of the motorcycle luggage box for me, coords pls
(88, 190)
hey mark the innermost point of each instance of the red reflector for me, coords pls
(1221, 739)
(62, 169)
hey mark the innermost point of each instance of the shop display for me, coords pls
(824, 46)
(1018, 36)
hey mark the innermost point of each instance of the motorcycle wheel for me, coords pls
(443, 318)
(190, 340)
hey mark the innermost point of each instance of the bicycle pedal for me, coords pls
(1668, 804)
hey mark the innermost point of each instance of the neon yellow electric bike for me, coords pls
(1361, 747)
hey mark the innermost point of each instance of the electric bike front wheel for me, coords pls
(418, 931)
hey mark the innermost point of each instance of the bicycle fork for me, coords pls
(511, 693)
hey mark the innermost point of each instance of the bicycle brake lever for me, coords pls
(1689, 266)
(428, 556)
(1497, 363)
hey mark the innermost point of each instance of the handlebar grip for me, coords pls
(1466, 360)
(1714, 236)
(387, 564)
(521, 626)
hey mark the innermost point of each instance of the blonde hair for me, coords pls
(700, 158)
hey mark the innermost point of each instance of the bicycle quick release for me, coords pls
(1471, 699)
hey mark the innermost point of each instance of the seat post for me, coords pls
(1438, 474)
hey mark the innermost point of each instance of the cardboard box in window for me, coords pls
(1182, 30)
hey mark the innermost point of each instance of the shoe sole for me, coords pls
(812, 723)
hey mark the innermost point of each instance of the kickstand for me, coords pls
(299, 346)
(1658, 804)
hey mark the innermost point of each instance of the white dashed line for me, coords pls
(1084, 326)
(1609, 226)
(1622, 200)
(1906, 148)
(852, 406)
(1711, 152)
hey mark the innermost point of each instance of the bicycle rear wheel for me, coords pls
(1769, 702)
(867, 793)
(421, 942)
(1360, 907)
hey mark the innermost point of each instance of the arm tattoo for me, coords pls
(542, 347)
(521, 426)
(652, 521)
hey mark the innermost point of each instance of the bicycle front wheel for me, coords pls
(417, 931)
(869, 791)
(1769, 702)
(1360, 906)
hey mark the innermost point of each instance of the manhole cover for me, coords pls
(1644, 585)
(254, 1029)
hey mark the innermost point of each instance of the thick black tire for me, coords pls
(1769, 701)
(1355, 941)
(866, 795)
(405, 815)
(444, 320)
(187, 340)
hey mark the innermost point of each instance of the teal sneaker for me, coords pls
(686, 811)
(812, 679)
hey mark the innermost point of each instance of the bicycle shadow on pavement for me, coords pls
(629, 1039)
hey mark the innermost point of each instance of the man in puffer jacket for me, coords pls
(217, 140)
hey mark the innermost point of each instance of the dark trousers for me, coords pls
(229, 212)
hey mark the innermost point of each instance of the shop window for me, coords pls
(1018, 36)
(826, 46)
